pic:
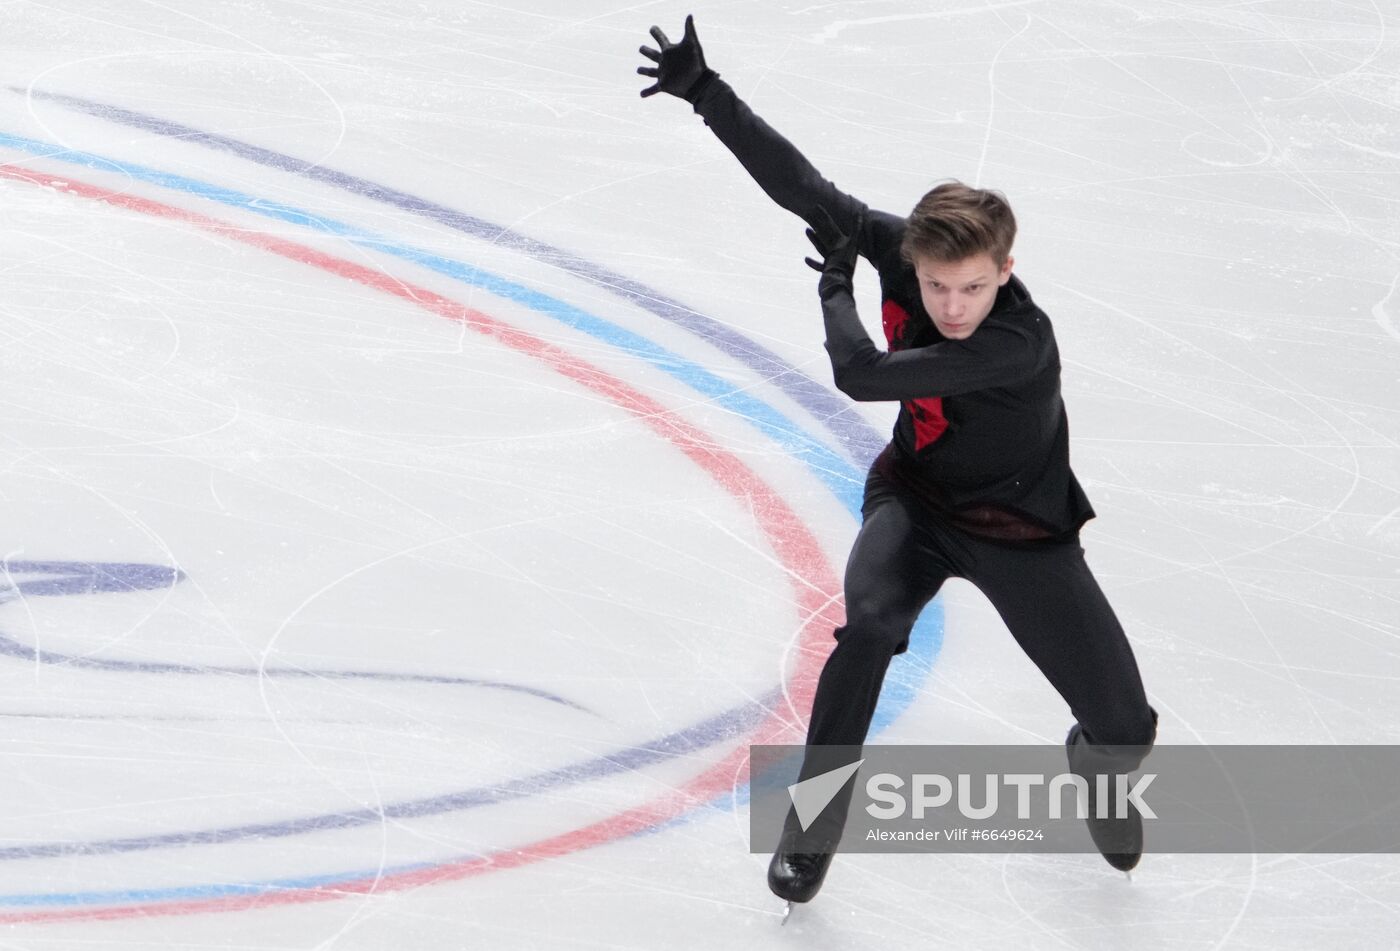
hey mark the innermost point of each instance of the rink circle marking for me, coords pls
(833, 412)
(829, 468)
(638, 820)
(813, 581)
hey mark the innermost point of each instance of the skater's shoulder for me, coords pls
(1017, 324)
(887, 221)
(885, 231)
(1015, 304)
(1014, 294)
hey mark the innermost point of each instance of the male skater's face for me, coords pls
(958, 295)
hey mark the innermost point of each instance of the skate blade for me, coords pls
(787, 911)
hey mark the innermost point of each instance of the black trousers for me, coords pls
(1044, 592)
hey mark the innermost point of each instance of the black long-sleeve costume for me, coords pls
(975, 484)
(982, 435)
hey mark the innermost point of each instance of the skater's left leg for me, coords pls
(1057, 612)
(1054, 607)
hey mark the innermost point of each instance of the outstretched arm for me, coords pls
(776, 165)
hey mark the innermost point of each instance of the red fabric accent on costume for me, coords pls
(929, 421)
(894, 319)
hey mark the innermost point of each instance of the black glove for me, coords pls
(838, 251)
(680, 67)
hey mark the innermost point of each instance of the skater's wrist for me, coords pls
(835, 283)
(705, 84)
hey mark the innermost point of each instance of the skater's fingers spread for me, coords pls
(646, 71)
(650, 54)
(690, 30)
(651, 91)
(660, 38)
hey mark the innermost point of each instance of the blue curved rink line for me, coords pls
(836, 413)
(843, 479)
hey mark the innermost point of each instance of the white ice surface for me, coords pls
(1209, 198)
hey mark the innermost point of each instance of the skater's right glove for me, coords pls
(680, 67)
(838, 251)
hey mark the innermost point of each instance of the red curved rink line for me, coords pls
(815, 586)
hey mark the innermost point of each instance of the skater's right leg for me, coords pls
(890, 576)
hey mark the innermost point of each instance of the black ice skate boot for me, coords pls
(796, 876)
(1119, 839)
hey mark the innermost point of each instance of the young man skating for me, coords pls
(976, 482)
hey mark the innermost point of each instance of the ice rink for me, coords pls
(422, 477)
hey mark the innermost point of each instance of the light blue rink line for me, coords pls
(829, 467)
(129, 896)
(839, 476)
